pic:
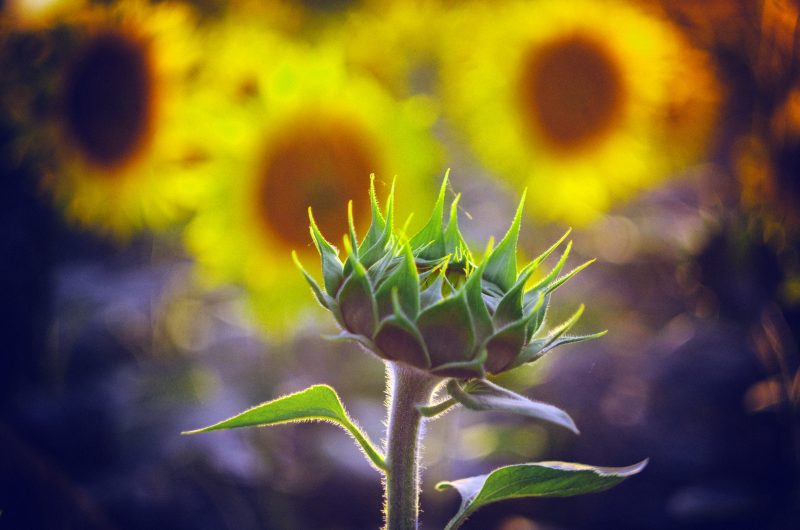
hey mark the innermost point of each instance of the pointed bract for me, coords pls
(501, 268)
(357, 303)
(424, 302)
(431, 237)
(403, 283)
(332, 275)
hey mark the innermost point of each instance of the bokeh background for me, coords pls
(157, 160)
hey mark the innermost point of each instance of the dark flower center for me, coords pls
(571, 92)
(318, 162)
(108, 99)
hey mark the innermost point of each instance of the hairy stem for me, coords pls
(408, 387)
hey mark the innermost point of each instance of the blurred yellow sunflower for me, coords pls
(123, 138)
(583, 102)
(294, 129)
(394, 42)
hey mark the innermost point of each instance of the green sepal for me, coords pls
(431, 238)
(501, 266)
(534, 352)
(558, 283)
(433, 410)
(376, 250)
(432, 294)
(544, 255)
(351, 230)
(507, 343)
(319, 402)
(379, 271)
(510, 308)
(332, 268)
(538, 303)
(447, 329)
(399, 339)
(483, 395)
(357, 302)
(481, 319)
(538, 347)
(554, 272)
(465, 369)
(377, 223)
(405, 281)
(538, 479)
(326, 301)
(345, 335)
(454, 243)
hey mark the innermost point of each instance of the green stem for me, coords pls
(408, 387)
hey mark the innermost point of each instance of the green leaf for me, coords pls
(501, 266)
(558, 283)
(319, 402)
(351, 230)
(379, 244)
(435, 409)
(554, 272)
(377, 224)
(326, 301)
(332, 275)
(405, 280)
(447, 329)
(484, 395)
(454, 243)
(505, 346)
(481, 318)
(540, 344)
(536, 303)
(431, 237)
(400, 340)
(357, 303)
(432, 294)
(544, 255)
(509, 309)
(539, 479)
(535, 351)
(472, 369)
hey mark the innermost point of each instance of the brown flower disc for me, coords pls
(318, 162)
(109, 98)
(571, 92)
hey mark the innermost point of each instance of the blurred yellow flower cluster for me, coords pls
(228, 119)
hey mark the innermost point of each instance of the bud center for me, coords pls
(571, 92)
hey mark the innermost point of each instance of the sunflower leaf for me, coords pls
(538, 479)
(318, 402)
(483, 395)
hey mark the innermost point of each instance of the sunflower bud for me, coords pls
(423, 300)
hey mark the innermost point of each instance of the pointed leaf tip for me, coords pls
(537, 479)
(501, 268)
(430, 237)
(318, 402)
(483, 395)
